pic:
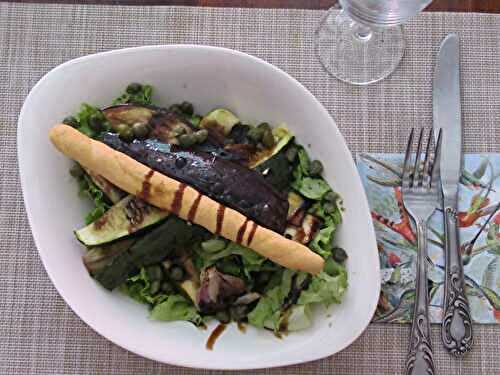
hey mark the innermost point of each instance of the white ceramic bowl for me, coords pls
(209, 77)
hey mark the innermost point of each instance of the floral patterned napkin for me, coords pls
(479, 223)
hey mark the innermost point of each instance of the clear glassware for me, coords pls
(364, 42)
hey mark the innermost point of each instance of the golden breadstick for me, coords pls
(186, 202)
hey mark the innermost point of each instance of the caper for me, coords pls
(291, 154)
(187, 140)
(178, 129)
(255, 134)
(238, 313)
(339, 254)
(154, 273)
(127, 134)
(223, 317)
(330, 207)
(177, 273)
(76, 171)
(331, 196)
(95, 121)
(187, 108)
(167, 288)
(315, 168)
(175, 108)
(263, 277)
(264, 126)
(213, 245)
(71, 121)
(268, 139)
(133, 88)
(155, 287)
(140, 130)
(201, 135)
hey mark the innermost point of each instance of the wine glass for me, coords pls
(364, 43)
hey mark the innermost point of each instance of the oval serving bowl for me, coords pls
(209, 77)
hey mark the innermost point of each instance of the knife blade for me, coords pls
(456, 327)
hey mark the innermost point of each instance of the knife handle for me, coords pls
(456, 328)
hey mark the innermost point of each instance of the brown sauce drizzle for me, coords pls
(215, 335)
(252, 232)
(177, 203)
(242, 327)
(220, 219)
(194, 208)
(146, 185)
(301, 234)
(241, 232)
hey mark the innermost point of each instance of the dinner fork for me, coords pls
(420, 198)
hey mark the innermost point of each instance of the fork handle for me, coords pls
(419, 360)
(456, 328)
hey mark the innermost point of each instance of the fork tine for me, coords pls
(436, 165)
(406, 173)
(425, 170)
(416, 169)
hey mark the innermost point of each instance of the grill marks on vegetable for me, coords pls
(136, 210)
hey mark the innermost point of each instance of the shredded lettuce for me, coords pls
(136, 93)
(89, 189)
(176, 307)
(268, 310)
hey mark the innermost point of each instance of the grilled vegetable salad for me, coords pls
(180, 270)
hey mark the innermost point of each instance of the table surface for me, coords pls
(491, 6)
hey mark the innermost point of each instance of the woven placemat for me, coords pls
(41, 335)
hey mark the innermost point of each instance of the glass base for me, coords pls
(354, 53)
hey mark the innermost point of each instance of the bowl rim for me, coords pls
(372, 304)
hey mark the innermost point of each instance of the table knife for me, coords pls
(456, 328)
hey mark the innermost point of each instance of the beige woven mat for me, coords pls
(40, 335)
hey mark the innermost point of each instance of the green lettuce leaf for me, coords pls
(90, 190)
(268, 310)
(325, 289)
(176, 307)
(138, 288)
(88, 114)
(312, 188)
(136, 93)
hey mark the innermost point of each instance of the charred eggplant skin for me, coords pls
(227, 182)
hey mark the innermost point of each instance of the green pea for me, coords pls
(154, 272)
(255, 134)
(187, 108)
(167, 288)
(268, 139)
(133, 88)
(127, 135)
(177, 273)
(141, 130)
(95, 121)
(187, 140)
(76, 171)
(201, 135)
(291, 154)
(179, 129)
(264, 126)
(155, 287)
(223, 317)
(238, 313)
(339, 254)
(315, 168)
(213, 245)
(71, 121)
(331, 196)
